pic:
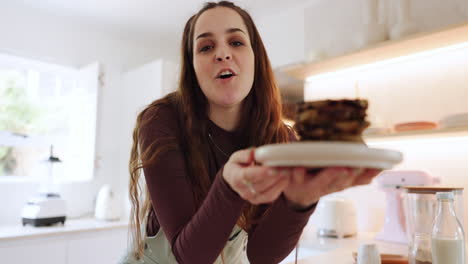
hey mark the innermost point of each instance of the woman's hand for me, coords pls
(255, 184)
(305, 189)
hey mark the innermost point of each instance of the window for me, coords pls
(43, 107)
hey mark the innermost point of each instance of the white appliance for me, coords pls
(107, 205)
(44, 209)
(336, 217)
(47, 207)
(391, 182)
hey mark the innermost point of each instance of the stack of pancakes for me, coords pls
(331, 120)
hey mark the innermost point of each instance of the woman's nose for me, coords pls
(221, 58)
(223, 54)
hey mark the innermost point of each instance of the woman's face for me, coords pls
(223, 57)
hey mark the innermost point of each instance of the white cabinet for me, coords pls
(38, 251)
(91, 243)
(100, 247)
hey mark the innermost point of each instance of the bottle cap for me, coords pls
(444, 195)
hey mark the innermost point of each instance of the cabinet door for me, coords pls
(43, 252)
(101, 247)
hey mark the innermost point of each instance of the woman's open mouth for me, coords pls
(226, 75)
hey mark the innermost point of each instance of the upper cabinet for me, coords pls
(325, 29)
(283, 36)
(412, 45)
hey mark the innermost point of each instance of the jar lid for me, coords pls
(430, 190)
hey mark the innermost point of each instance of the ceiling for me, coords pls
(144, 17)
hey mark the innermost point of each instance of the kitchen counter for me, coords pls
(13, 232)
(313, 249)
(79, 241)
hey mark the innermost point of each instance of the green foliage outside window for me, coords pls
(18, 114)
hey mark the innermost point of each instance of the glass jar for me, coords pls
(420, 249)
(420, 211)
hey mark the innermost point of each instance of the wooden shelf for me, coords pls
(383, 51)
(420, 134)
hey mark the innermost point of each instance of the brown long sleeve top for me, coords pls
(199, 235)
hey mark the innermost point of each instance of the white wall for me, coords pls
(56, 40)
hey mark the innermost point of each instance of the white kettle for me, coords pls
(107, 205)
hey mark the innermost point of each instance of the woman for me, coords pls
(208, 200)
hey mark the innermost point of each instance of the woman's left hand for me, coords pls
(305, 189)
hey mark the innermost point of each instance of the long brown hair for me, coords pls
(261, 124)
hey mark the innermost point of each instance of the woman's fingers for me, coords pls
(271, 194)
(259, 184)
(271, 180)
(309, 188)
(334, 179)
(305, 189)
(244, 156)
(298, 175)
(338, 179)
(257, 181)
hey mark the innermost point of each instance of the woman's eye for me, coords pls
(206, 48)
(237, 43)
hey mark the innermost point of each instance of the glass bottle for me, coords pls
(448, 237)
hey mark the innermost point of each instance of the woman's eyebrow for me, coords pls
(232, 30)
(228, 31)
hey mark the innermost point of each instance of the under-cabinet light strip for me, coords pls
(400, 59)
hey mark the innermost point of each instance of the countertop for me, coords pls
(13, 232)
(313, 249)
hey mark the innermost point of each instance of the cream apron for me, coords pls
(158, 250)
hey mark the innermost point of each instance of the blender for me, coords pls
(47, 207)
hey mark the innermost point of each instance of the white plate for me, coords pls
(326, 154)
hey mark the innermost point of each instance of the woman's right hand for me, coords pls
(255, 184)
